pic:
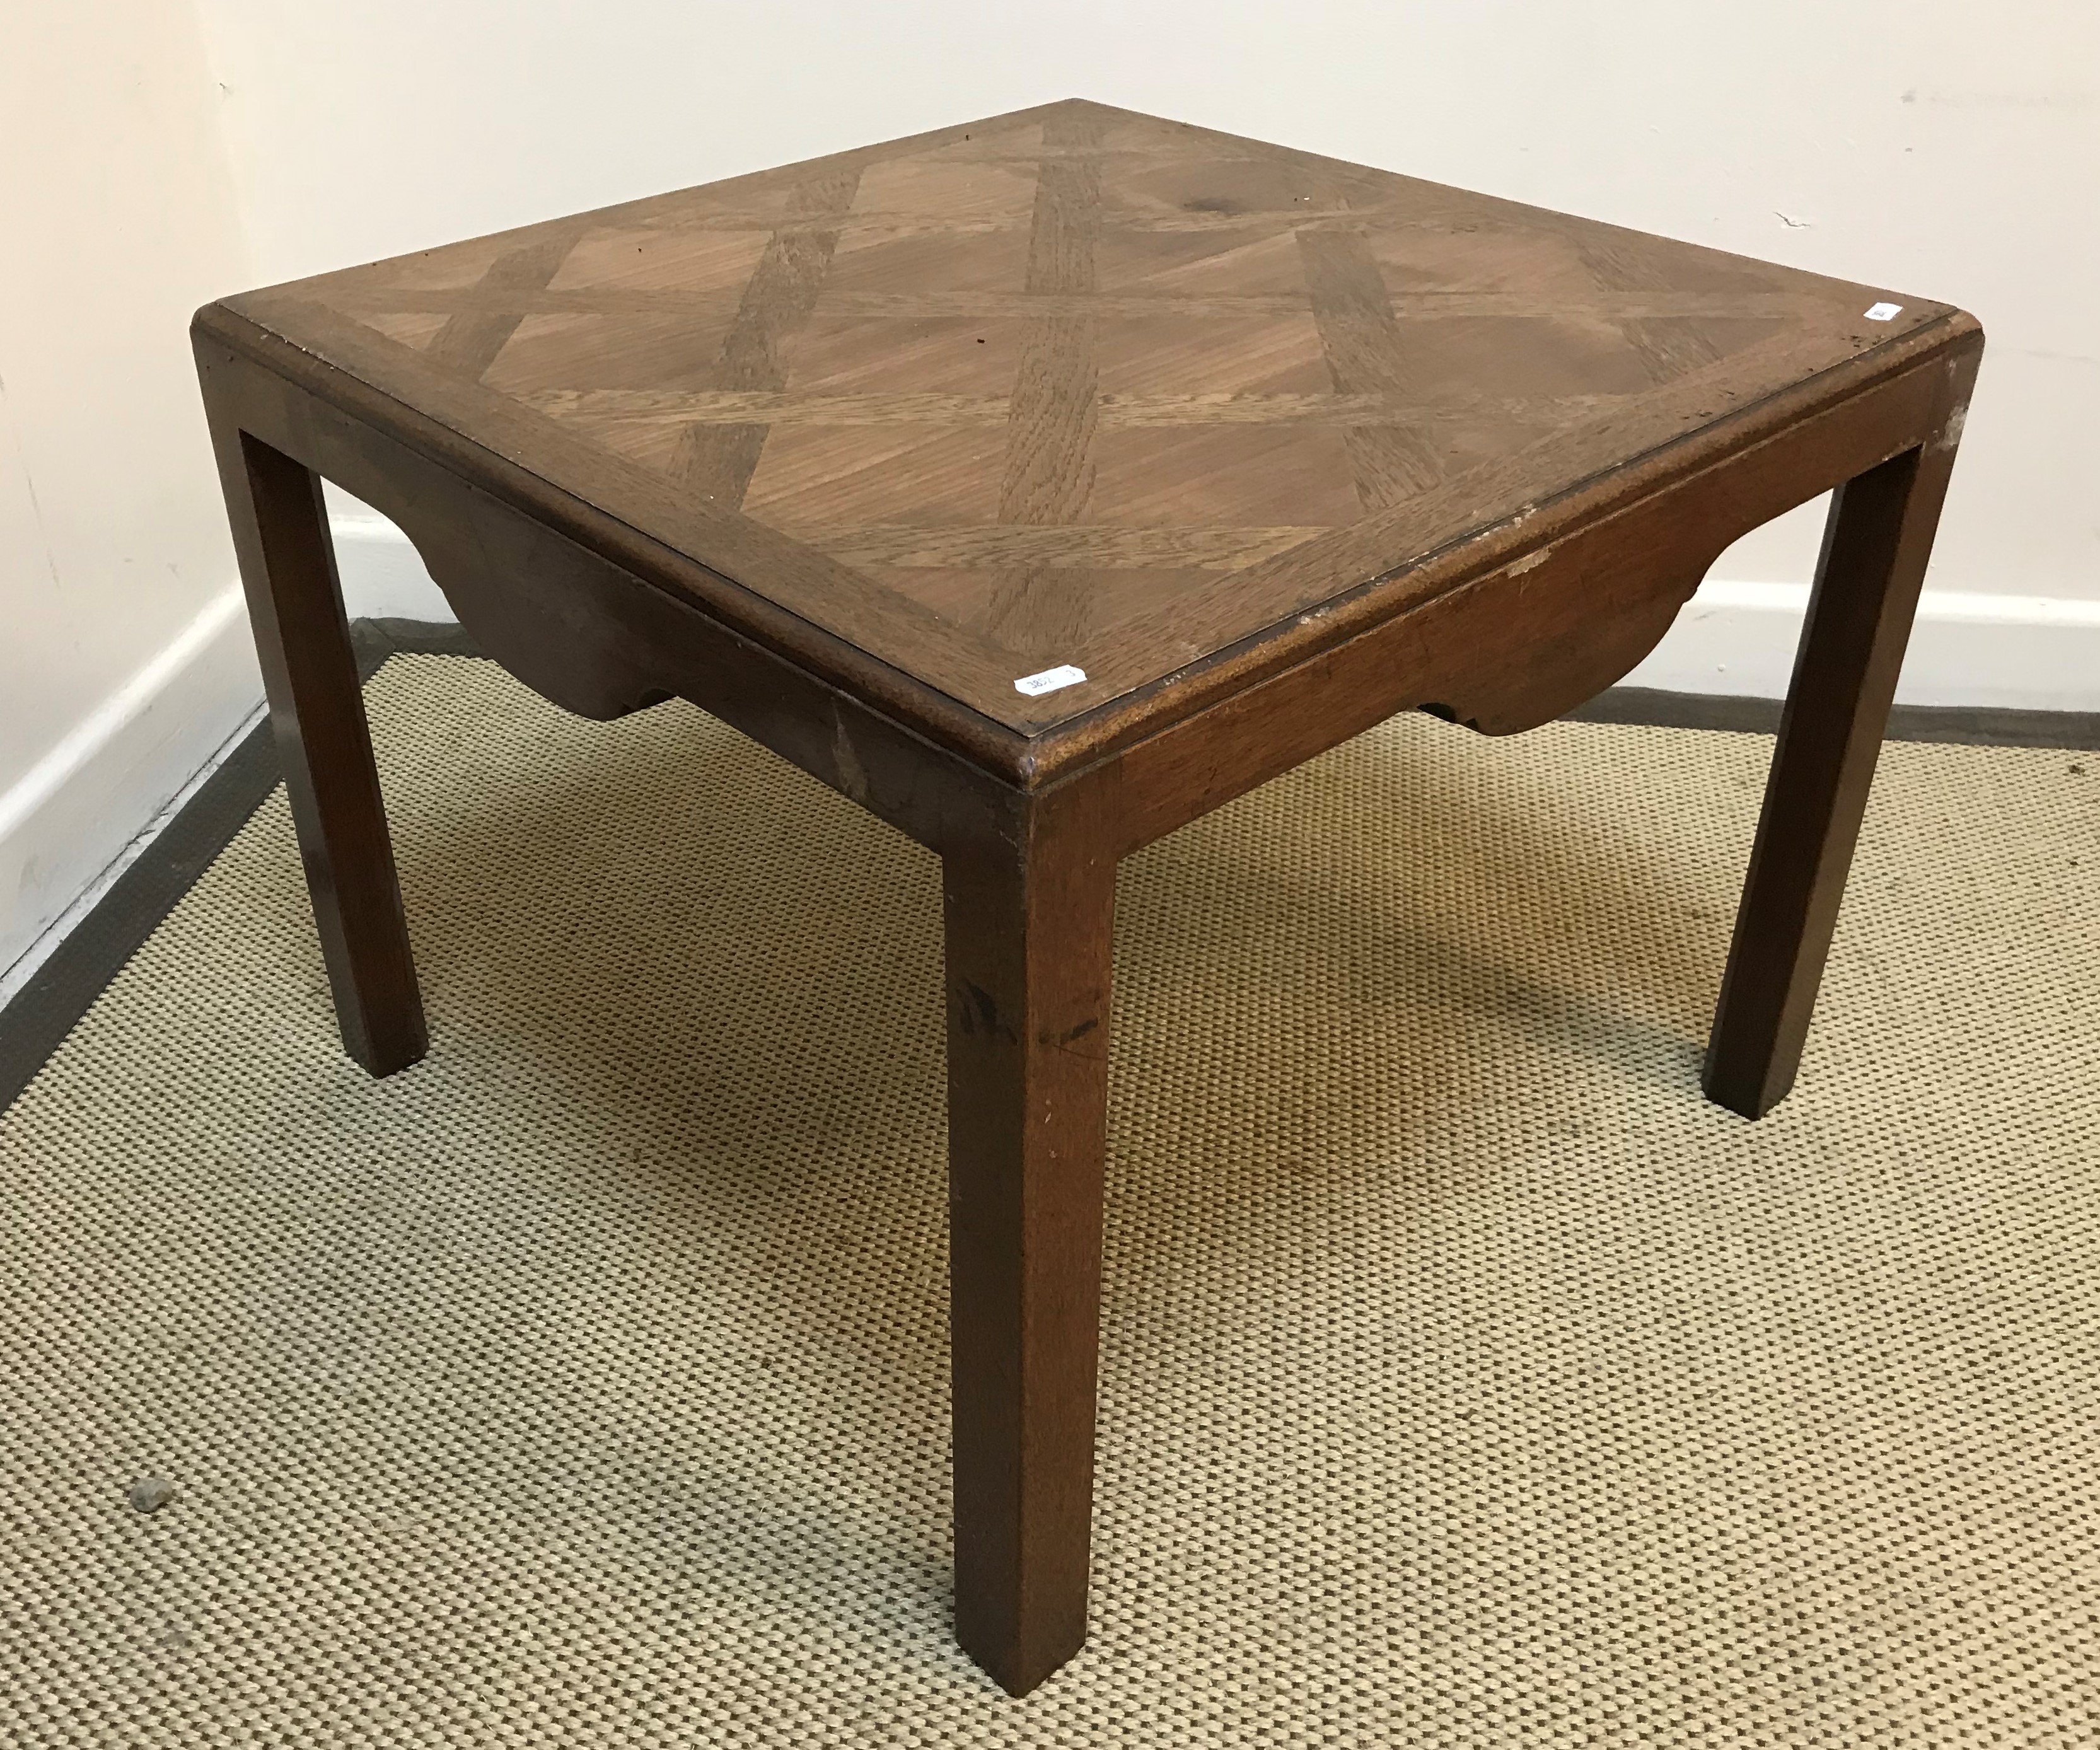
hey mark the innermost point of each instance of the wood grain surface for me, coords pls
(317, 715)
(1073, 385)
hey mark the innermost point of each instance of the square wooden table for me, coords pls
(1042, 483)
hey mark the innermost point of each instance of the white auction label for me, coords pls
(1050, 680)
(1883, 312)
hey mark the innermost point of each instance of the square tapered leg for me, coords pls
(1868, 580)
(1028, 968)
(317, 710)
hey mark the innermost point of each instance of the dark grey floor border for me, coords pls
(44, 1010)
(1980, 725)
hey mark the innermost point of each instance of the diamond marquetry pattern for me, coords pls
(1075, 385)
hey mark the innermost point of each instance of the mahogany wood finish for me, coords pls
(1867, 580)
(1028, 929)
(1269, 446)
(317, 711)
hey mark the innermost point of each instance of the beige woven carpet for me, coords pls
(1466, 1379)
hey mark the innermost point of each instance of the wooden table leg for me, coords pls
(1867, 580)
(317, 710)
(1029, 948)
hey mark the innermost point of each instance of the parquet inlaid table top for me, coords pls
(1041, 483)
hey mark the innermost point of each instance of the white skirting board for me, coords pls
(2026, 653)
(69, 826)
(71, 823)
(382, 574)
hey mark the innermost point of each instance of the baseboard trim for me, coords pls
(1967, 650)
(78, 966)
(73, 814)
(383, 576)
(1734, 638)
(35, 1022)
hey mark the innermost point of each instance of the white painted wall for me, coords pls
(1928, 145)
(125, 660)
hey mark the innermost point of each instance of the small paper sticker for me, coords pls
(1884, 312)
(1049, 681)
